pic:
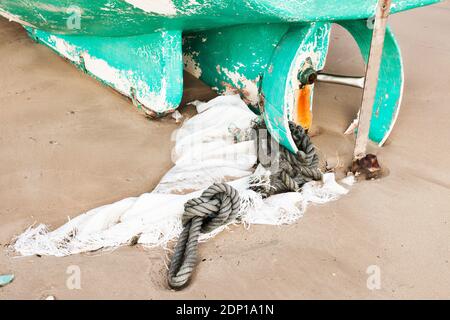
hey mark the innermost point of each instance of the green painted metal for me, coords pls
(254, 47)
(233, 59)
(390, 79)
(259, 61)
(147, 68)
(131, 17)
(237, 59)
(280, 81)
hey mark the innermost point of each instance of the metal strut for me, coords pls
(357, 82)
(371, 78)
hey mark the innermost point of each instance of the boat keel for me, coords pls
(146, 68)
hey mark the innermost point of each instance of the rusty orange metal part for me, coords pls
(303, 113)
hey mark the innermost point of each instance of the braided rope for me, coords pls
(217, 206)
(294, 169)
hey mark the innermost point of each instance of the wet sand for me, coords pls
(69, 144)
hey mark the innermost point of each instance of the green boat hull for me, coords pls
(112, 18)
(257, 48)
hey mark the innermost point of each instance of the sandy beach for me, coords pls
(69, 144)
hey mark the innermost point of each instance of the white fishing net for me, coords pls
(205, 152)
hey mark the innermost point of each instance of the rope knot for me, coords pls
(217, 206)
(294, 169)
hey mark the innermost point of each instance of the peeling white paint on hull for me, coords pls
(161, 7)
(191, 66)
(248, 87)
(15, 18)
(124, 81)
(127, 81)
(64, 48)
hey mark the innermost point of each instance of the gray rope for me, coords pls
(294, 169)
(220, 203)
(217, 206)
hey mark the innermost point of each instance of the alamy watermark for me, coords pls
(73, 282)
(234, 148)
(73, 21)
(374, 279)
(370, 23)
